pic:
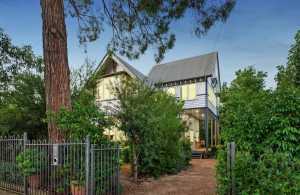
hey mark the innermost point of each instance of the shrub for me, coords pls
(9, 174)
(186, 152)
(84, 119)
(31, 161)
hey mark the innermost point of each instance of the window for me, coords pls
(211, 95)
(201, 88)
(171, 91)
(188, 92)
(99, 92)
(184, 92)
(192, 91)
(104, 87)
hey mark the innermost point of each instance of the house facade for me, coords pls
(194, 80)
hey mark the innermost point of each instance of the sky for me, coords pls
(257, 33)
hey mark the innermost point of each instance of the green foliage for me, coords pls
(22, 99)
(9, 173)
(265, 124)
(243, 109)
(32, 161)
(84, 119)
(125, 155)
(81, 78)
(221, 169)
(105, 169)
(284, 121)
(290, 75)
(272, 173)
(150, 119)
(138, 24)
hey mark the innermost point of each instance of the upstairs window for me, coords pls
(211, 95)
(104, 88)
(171, 91)
(188, 92)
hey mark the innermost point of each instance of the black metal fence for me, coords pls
(42, 167)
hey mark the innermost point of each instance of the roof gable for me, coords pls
(125, 66)
(189, 68)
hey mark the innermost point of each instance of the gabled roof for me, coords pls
(134, 71)
(129, 69)
(189, 68)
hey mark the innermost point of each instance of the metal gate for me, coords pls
(41, 167)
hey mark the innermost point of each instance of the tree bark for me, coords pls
(57, 73)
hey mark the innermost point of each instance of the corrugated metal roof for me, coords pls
(134, 71)
(127, 66)
(194, 67)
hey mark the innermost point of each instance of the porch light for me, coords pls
(202, 115)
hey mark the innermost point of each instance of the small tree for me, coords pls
(150, 119)
(83, 78)
(84, 119)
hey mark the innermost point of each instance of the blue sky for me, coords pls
(258, 33)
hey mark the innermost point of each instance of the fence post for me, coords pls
(118, 168)
(24, 176)
(87, 164)
(230, 166)
(92, 169)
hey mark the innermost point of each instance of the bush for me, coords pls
(9, 174)
(84, 119)
(31, 161)
(186, 152)
(272, 173)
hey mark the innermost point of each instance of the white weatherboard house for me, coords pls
(194, 80)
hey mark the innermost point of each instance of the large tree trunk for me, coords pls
(57, 73)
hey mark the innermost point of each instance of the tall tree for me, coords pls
(138, 24)
(57, 73)
(22, 100)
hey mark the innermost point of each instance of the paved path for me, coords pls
(197, 180)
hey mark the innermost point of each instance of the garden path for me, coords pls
(2, 192)
(196, 180)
